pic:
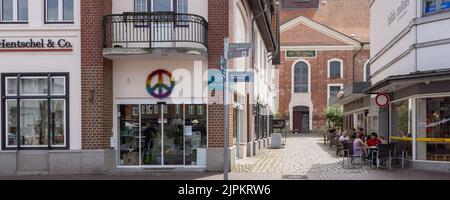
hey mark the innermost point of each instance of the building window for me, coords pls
(161, 6)
(435, 6)
(165, 109)
(36, 110)
(177, 109)
(335, 68)
(140, 6)
(59, 11)
(191, 110)
(14, 11)
(333, 90)
(200, 110)
(148, 109)
(433, 129)
(135, 110)
(301, 77)
(367, 71)
(401, 124)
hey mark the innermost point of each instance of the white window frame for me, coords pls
(15, 13)
(64, 86)
(328, 90)
(293, 76)
(6, 86)
(342, 66)
(365, 71)
(60, 13)
(33, 77)
(171, 6)
(136, 5)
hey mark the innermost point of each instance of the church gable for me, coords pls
(302, 35)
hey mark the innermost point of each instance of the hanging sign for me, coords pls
(382, 100)
(164, 84)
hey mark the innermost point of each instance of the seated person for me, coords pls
(344, 137)
(373, 141)
(359, 147)
(383, 141)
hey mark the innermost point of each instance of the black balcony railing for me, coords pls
(157, 29)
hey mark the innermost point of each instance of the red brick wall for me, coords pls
(302, 35)
(96, 77)
(319, 79)
(220, 23)
(288, 4)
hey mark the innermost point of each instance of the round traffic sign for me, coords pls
(382, 100)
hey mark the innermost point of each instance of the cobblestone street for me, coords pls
(303, 158)
(306, 157)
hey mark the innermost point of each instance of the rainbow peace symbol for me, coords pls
(160, 90)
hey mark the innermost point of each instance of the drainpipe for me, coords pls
(361, 44)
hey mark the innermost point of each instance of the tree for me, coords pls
(334, 116)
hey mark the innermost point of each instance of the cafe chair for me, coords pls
(350, 155)
(384, 156)
(400, 153)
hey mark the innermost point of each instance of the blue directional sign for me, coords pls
(241, 77)
(215, 80)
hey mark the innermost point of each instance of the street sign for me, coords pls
(215, 80)
(239, 50)
(241, 77)
(382, 100)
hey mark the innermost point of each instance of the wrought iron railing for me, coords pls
(156, 29)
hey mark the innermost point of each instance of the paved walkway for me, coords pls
(304, 158)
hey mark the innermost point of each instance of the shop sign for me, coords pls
(157, 86)
(31, 45)
(398, 13)
(382, 100)
(301, 54)
(239, 50)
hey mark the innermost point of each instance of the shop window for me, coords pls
(433, 129)
(335, 68)
(435, 6)
(401, 124)
(135, 110)
(148, 109)
(35, 117)
(14, 11)
(200, 110)
(191, 110)
(59, 11)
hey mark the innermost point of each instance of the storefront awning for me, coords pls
(398, 82)
(350, 93)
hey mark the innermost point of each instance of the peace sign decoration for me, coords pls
(160, 90)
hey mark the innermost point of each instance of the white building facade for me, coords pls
(410, 42)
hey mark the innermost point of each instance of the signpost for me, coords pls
(233, 50)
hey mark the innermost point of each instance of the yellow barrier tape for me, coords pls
(443, 140)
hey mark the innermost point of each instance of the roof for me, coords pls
(405, 80)
(345, 16)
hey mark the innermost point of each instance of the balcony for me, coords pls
(155, 34)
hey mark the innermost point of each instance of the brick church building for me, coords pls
(324, 47)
